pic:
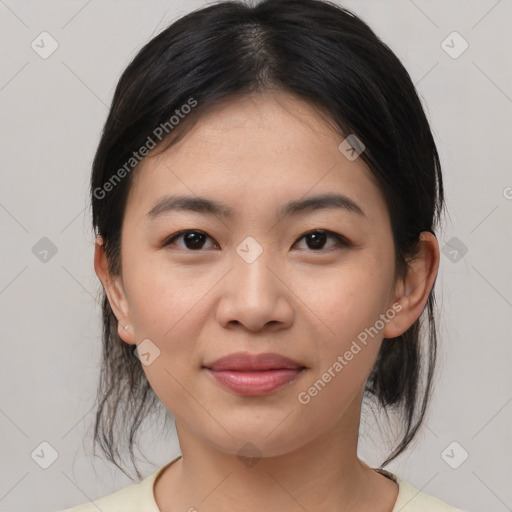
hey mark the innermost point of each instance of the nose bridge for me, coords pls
(253, 277)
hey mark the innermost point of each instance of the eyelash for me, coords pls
(342, 242)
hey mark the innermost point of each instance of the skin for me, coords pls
(196, 305)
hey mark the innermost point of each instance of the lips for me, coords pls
(245, 362)
(254, 375)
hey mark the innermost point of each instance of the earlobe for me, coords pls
(413, 291)
(126, 333)
(115, 292)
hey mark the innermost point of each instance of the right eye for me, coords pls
(193, 239)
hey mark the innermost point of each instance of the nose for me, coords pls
(255, 296)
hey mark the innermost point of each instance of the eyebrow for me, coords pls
(210, 207)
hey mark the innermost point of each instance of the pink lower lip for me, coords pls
(255, 383)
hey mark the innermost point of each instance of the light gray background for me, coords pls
(52, 111)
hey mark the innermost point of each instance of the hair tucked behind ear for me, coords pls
(327, 56)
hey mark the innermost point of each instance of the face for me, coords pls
(311, 284)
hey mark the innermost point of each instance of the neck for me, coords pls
(324, 474)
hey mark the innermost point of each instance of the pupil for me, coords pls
(318, 239)
(194, 240)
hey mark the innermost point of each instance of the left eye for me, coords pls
(318, 237)
(195, 240)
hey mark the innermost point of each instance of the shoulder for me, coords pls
(133, 498)
(411, 499)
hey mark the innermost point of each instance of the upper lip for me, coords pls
(244, 361)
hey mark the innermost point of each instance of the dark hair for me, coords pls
(326, 55)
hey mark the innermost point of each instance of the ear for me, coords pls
(412, 292)
(115, 292)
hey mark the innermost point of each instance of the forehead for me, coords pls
(254, 150)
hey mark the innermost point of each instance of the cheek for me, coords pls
(350, 305)
(162, 299)
(166, 307)
(347, 346)
(350, 299)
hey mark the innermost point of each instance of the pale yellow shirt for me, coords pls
(140, 498)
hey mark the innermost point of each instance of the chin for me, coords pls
(256, 440)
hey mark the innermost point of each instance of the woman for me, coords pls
(265, 194)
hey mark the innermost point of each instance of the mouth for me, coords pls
(254, 374)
